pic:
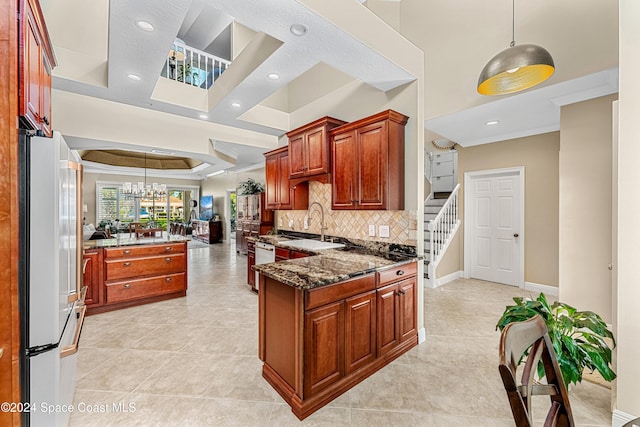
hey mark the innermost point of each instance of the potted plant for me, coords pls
(578, 337)
(250, 186)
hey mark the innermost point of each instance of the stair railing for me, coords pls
(442, 227)
(191, 66)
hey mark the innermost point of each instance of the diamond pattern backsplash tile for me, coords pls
(350, 224)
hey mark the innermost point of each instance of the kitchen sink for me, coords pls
(312, 245)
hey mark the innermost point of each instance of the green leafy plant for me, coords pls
(250, 187)
(578, 337)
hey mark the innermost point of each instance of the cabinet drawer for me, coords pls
(142, 288)
(442, 183)
(138, 251)
(443, 157)
(282, 253)
(149, 266)
(398, 273)
(442, 168)
(327, 294)
(255, 227)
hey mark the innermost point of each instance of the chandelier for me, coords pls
(142, 189)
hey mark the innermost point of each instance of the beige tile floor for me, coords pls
(193, 362)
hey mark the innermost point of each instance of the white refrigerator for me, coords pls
(51, 296)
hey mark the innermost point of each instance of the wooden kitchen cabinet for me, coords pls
(309, 148)
(253, 219)
(396, 308)
(280, 194)
(360, 331)
(92, 275)
(251, 261)
(133, 275)
(207, 231)
(368, 163)
(36, 60)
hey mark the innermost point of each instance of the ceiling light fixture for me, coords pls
(298, 29)
(145, 26)
(273, 76)
(204, 116)
(492, 122)
(220, 172)
(515, 68)
(134, 77)
(236, 104)
(142, 189)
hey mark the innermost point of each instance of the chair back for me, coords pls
(516, 339)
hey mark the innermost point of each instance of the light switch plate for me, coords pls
(372, 230)
(383, 230)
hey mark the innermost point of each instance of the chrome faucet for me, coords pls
(322, 226)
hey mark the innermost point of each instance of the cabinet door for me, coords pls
(323, 347)
(284, 190)
(360, 331)
(297, 161)
(373, 166)
(271, 165)
(45, 98)
(251, 275)
(387, 309)
(407, 309)
(91, 278)
(343, 171)
(316, 152)
(32, 69)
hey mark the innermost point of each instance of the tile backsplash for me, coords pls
(350, 224)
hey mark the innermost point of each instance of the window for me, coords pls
(113, 204)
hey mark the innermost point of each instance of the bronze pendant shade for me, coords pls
(515, 68)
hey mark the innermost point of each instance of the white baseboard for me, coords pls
(536, 287)
(422, 335)
(448, 278)
(619, 418)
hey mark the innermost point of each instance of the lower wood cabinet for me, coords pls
(251, 261)
(335, 335)
(119, 277)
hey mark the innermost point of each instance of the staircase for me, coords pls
(441, 221)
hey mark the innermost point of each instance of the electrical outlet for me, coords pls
(383, 230)
(280, 222)
(291, 224)
(306, 222)
(372, 230)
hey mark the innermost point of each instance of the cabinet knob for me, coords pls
(127, 285)
(168, 279)
(168, 249)
(399, 272)
(127, 264)
(45, 120)
(127, 252)
(400, 292)
(168, 259)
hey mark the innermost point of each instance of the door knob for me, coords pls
(515, 234)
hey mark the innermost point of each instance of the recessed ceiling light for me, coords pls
(298, 29)
(492, 122)
(204, 116)
(134, 77)
(273, 76)
(235, 104)
(145, 26)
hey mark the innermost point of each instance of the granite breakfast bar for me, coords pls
(328, 321)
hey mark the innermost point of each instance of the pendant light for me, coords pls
(515, 68)
(142, 189)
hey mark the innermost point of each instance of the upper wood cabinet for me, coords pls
(36, 60)
(280, 194)
(368, 163)
(309, 148)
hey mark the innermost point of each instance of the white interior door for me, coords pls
(494, 226)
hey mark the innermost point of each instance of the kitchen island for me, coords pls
(327, 322)
(124, 272)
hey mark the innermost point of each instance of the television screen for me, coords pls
(206, 208)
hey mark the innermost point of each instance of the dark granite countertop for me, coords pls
(332, 265)
(132, 241)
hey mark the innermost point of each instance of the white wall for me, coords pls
(628, 319)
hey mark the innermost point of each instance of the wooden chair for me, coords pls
(133, 227)
(516, 338)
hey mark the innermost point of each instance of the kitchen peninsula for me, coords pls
(328, 321)
(124, 272)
